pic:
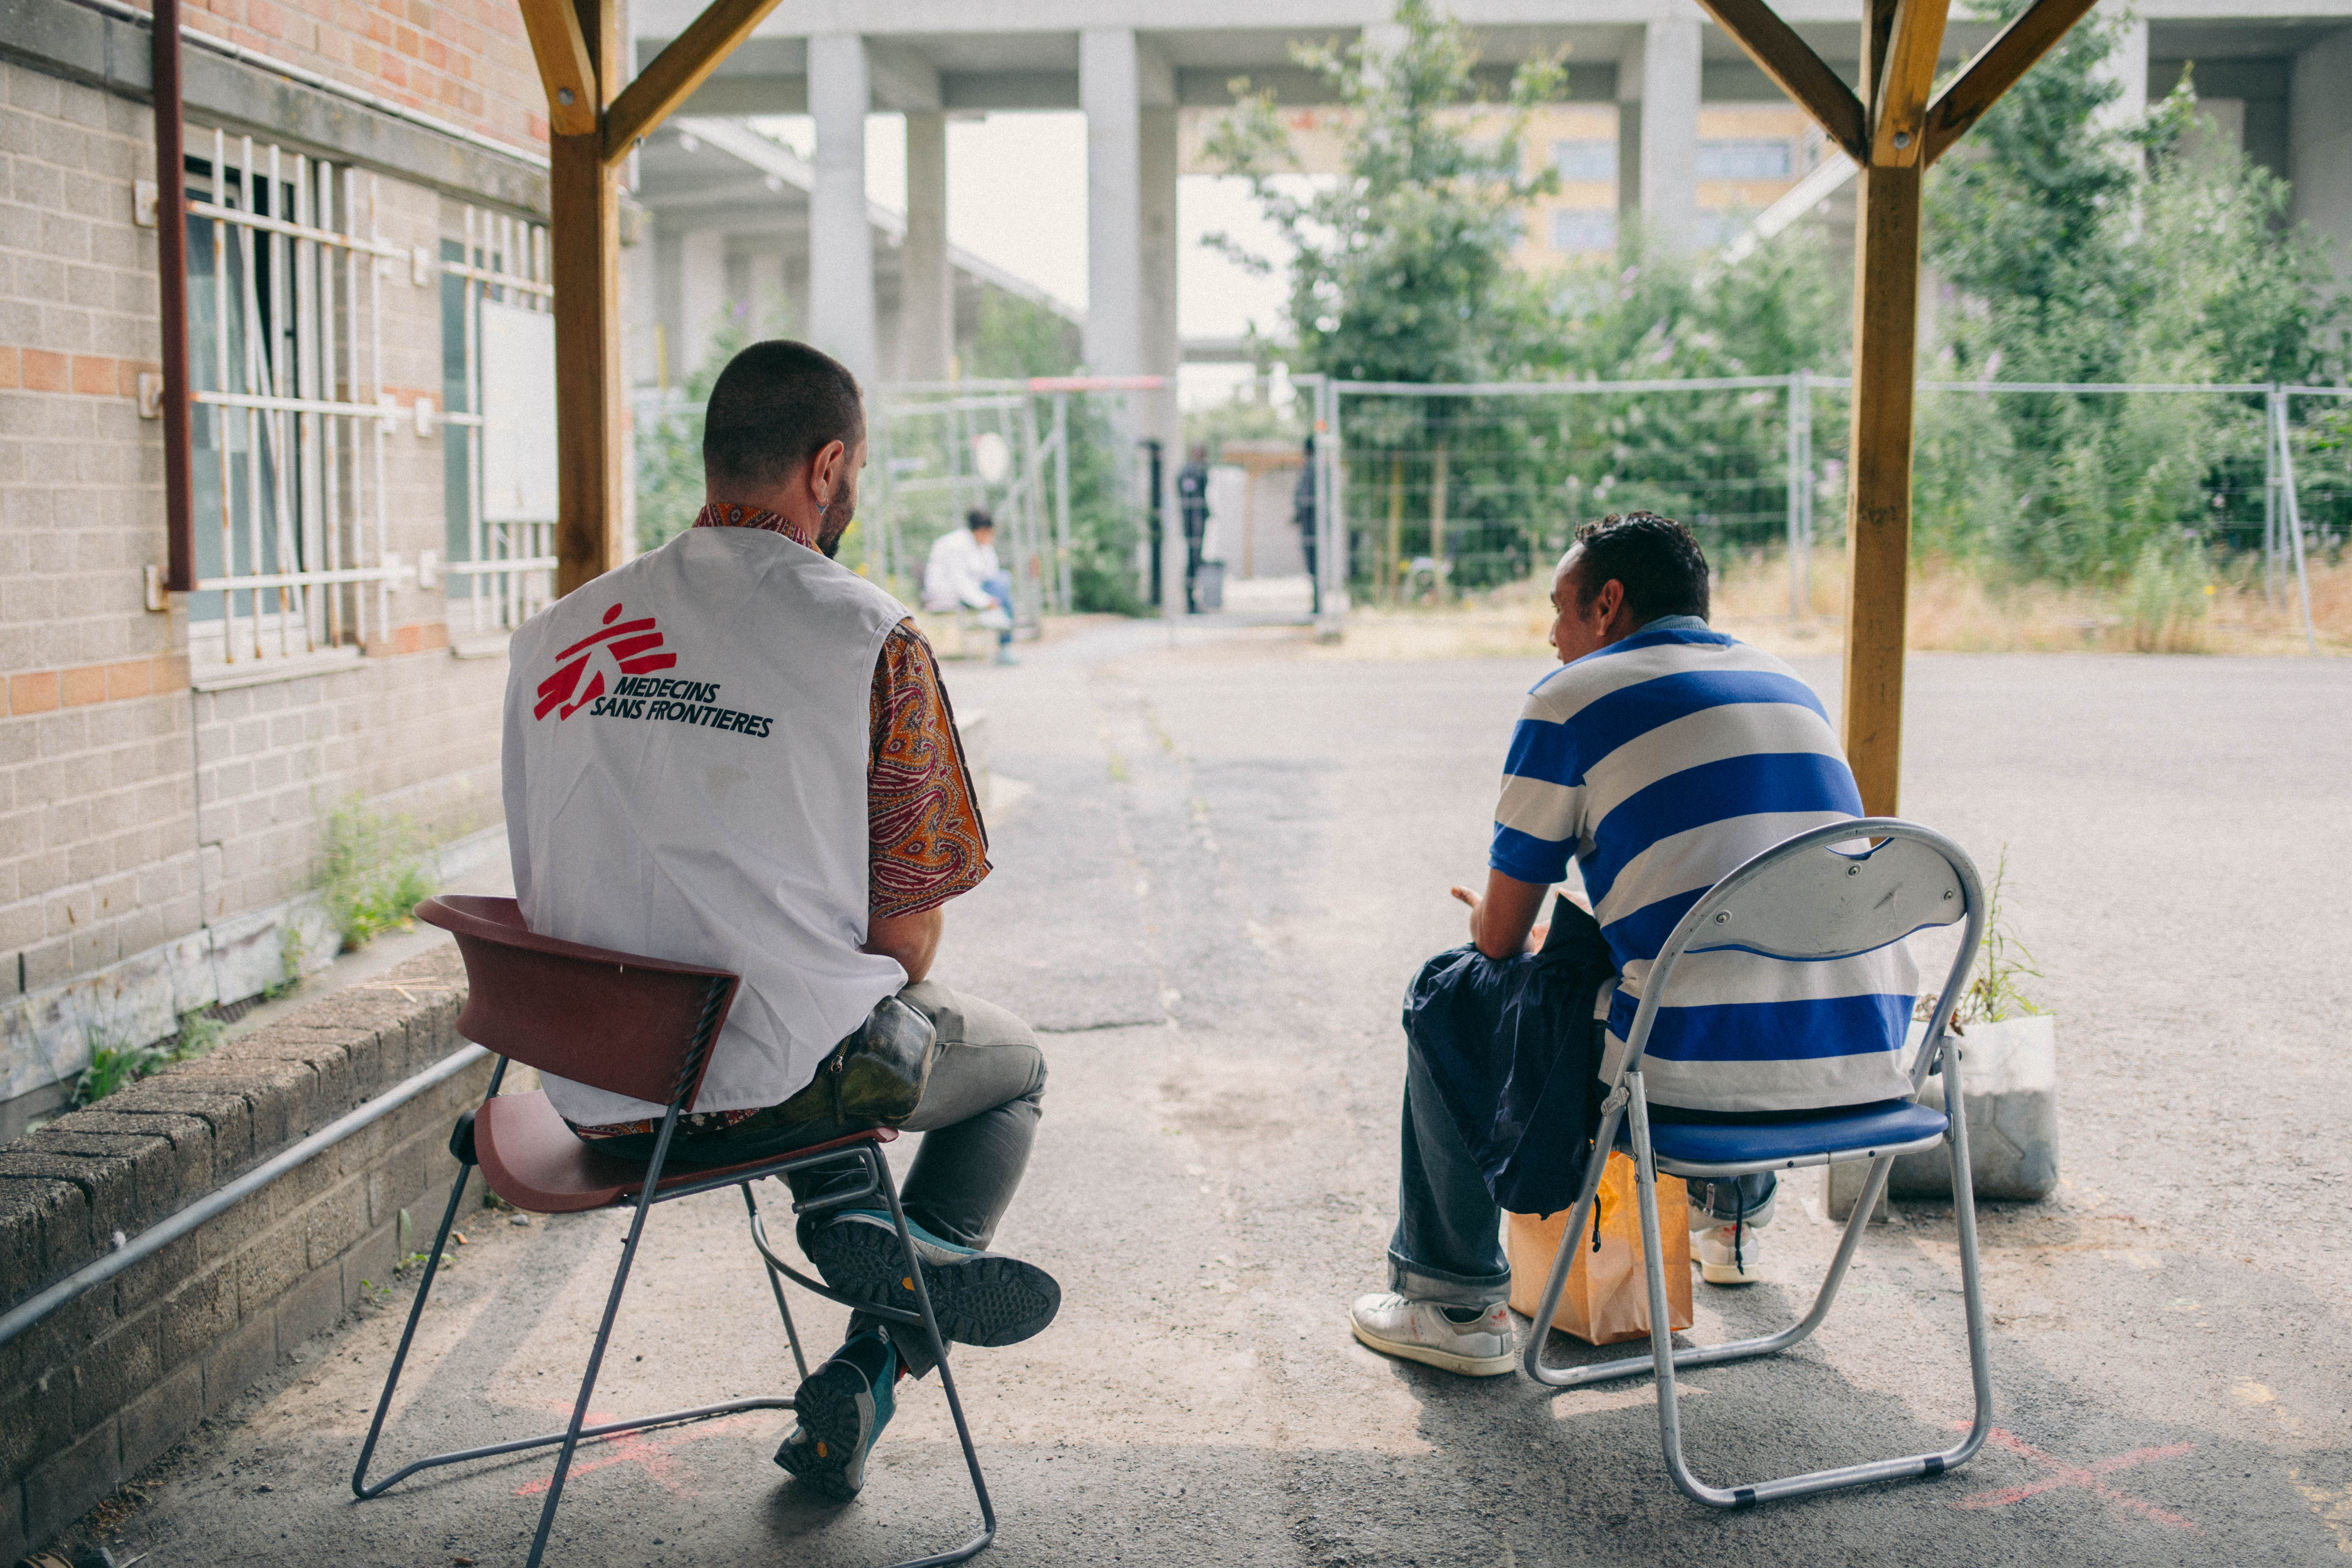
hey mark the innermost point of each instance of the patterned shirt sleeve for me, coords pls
(926, 841)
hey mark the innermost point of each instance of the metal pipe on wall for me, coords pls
(172, 289)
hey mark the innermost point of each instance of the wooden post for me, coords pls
(1894, 138)
(584, 241)
(1878, 491)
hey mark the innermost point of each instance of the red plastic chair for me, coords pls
(643, 1027)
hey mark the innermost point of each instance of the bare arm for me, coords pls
(1502, 918)
(912, 939)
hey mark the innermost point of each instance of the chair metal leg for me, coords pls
(776, 1284)
(1663, 1358)
(881, 1170)
(604, 1334)
(576, 1431)
(1693, 1355)
(359, 1488)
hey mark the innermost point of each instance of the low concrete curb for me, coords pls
(107, 1384)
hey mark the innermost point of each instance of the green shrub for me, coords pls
(373, 872)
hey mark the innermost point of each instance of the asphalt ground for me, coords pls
(1233, 853)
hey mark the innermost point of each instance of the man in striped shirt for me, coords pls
(1659, 757)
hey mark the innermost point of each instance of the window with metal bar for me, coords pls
(498, 357)
(285, 268)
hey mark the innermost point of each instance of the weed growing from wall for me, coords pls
(373, 872)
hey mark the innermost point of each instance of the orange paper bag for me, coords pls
(1606, 1297)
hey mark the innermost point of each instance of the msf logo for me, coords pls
(632, 645)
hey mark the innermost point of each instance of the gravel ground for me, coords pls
(1232, 855)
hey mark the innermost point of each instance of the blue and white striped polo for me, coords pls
(1659, 764)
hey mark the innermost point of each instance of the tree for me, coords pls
(2083, 251)
(1399, 268)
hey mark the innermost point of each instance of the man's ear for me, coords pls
(1611, 599)
(824, 472)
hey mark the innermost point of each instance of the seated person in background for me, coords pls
(786, 799)
(1660, 757)
(961, 573)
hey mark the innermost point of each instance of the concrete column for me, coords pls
(841, 246)
(926, 291)
(1630, 60)
(2126, 65)
(1109, 91)
(1669, 142)
(1162, 351)
(701, 298)
(2319, 143)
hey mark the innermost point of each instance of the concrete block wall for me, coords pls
(150, 796)
(109, 1384)
(416, 734)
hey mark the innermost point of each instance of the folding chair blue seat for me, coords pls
(1833, 892)
(643, 1027)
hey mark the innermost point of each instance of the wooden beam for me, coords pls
(565, 67)
(1878, 488)
(681, 66)
(1789, 60)
(1898, 105)
(584, 243)
(1995, 70)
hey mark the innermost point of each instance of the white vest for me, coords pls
(686, 756)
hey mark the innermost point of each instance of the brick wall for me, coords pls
(106, 1385)
(137, 803)
(417, 735)
(97, 859)
(467, 62)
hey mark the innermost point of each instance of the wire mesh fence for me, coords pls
(1449, 489)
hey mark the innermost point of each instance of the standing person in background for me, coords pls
(1302, 513)
(961, 573)
(1192, 504)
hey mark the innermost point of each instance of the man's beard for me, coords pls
(829, 528)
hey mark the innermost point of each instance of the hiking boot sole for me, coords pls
(834, 1407)
(984, 1300)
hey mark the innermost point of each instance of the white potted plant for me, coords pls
(2009, 1070)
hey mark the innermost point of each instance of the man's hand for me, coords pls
(912, 939)
(1503, 920)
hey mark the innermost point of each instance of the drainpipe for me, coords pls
(172, 284)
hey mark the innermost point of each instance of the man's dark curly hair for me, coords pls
(1662, 566)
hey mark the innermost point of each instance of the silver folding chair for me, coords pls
(1823, 894)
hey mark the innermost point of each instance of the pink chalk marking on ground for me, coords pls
(636, 1449)
(2063, 1475)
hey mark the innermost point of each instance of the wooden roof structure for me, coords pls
(1895, 134)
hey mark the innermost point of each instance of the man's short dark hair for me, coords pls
(978, 518)
(777, 405)
(1662, 566)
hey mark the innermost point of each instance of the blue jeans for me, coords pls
(1448, 1245)
(1448, 1242)
(999, 588)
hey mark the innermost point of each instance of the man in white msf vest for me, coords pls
(735, 751)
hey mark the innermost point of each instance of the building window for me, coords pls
(1745, 159)
(1581, 229)
(1585, 159)
(290, 412)
(497, 359)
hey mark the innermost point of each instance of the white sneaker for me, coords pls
(1420, 1330)
(1719, 1262)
